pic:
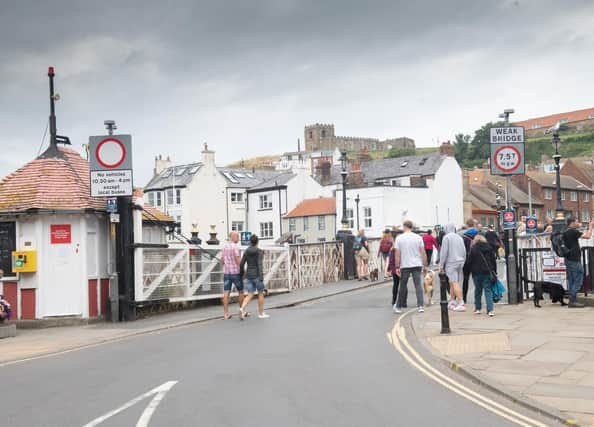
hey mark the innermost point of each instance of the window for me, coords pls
(367, 217)
(586, 197)
(548, 194)
(292, 224)
(573, 196)
(265, 202)
(170, 197)
(237, 226)
(323, 133)
(178, 196)
(236, 197)
(550, 213)
(151, 199)
(266, 230)
(563, 195)
(159, 201)
(536, 126)
(585, 215)
(321, 222)
(349, 217)
(7, 245)
(305, 223)
(180, 172)
(310, 134)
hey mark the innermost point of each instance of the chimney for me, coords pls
(161, 165)
(446, 149)
(208, 157)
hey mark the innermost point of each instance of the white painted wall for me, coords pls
(447, 194)
(274, 215)
(313, 233)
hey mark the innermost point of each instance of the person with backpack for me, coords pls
(468, 237)
(569, 246)
(361, 248)
(385, 247)
(483, 268)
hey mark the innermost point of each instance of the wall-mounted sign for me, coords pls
(60, 234)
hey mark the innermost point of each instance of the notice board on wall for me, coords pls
(60, 234)
(7, 245)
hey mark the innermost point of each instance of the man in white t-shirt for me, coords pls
(411, 260)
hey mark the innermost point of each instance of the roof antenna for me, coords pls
(55, 139)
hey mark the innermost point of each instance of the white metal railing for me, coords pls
(313, 264)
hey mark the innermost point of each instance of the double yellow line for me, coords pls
(398, 339)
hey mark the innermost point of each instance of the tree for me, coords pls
(461, 145)
(401, 152)
(470, 153)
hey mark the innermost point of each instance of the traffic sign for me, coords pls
(507, 151)
(509, 219)
(111, 165)
(112, 205)
(531, 225)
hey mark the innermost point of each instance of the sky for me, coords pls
(247, 76)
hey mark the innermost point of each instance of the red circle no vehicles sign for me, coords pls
(507, 158)
(110, 153)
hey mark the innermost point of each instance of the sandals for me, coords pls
(228, 316)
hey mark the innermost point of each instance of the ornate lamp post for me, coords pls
(343, 172)
(559, 223)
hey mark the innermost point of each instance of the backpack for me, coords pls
(558, 244)
(385, 246)
(357, 244)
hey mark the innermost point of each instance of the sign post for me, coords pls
(507, 159)
(111, 165)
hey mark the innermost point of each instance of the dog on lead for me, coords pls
(428, 285)
(374, 275)
(555, 291)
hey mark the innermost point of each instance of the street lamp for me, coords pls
(559, 222)
(357, 200)
(343, 172)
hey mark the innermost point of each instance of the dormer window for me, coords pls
(404, 164)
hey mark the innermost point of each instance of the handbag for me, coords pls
(492, 275)
(497, 289)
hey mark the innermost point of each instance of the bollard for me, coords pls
(445, 319)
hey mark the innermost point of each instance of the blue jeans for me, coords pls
(232, 279)
(482, 282)
(575, 277)
(254, 286)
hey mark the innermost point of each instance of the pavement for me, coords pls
(327, 362)
(32, 343)
(541, 357)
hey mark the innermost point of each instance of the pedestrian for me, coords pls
(231, 276)
(410, 260)
(254, 277)
(361, 248)
(468, 236)
(385, 247)
(549, 227)
(430, 243)
(452, 258)
(395, 275)
(483, 268)
(573, 261)
(493, 239)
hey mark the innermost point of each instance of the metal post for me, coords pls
(445, 319)
(357, 200)
(52, 117)
(512, 268)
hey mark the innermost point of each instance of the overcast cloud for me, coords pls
(246, 76)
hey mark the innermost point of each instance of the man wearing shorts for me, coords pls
(451, 261)
(231, 276)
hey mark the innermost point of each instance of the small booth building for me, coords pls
(55, 244)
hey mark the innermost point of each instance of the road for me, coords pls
(322, 364)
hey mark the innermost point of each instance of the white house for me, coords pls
(425, 189)
(203, 194)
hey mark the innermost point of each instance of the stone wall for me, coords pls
(322, 137)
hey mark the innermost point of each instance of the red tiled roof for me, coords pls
(150, 212)
(548, 121)
(50, 183)
(310, 207)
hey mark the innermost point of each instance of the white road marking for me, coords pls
(144, 419)
(398, 339)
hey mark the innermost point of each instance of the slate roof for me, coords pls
(517, 194)
(311, 207)
(381, 169)
(275, 181)
(246, 178)
(548, 180)
(173, 176)
(59, 182)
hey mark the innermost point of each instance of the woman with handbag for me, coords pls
(483, 268)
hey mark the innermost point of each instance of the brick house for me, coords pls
(581, 169)
(579, 120)
(575, 195)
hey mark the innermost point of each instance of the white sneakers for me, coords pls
(396, 309)
(263, 316)
(421, 309)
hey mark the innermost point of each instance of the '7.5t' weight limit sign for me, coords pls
(507, 151)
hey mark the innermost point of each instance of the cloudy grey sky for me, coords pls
(246, 76)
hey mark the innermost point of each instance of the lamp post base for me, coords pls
(348, 240)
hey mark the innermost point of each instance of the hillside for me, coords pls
(573, 144)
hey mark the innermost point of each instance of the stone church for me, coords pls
(322, 137)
